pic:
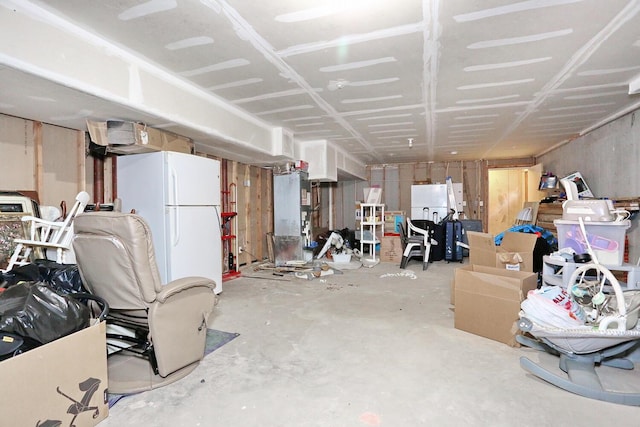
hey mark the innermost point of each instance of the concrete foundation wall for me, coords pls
(608, 159)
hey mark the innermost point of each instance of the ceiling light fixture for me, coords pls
(337, 84)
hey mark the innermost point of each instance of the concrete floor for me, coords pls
(370, 347)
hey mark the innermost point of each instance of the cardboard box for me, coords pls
(392, 221)
(487, 301)
(61, 383)
(452, 293)
(390, 249)
(515, 252)
(131, 138)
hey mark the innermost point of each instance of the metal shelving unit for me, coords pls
(229, 238)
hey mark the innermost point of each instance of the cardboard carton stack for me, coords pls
(487, 293)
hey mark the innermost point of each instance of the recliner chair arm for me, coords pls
(178, 322)
(183, 284)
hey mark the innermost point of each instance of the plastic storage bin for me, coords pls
(606, 238)
(342, 258)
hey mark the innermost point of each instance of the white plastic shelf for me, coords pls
(372, 226)
(557, 271)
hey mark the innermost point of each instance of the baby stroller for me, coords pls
(609, 336)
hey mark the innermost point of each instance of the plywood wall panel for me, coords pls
(421, 173)
(242, 201)
(60, 171)
(258, 229)
(17, 159)
(267, 210)
(406, 178)
(40, 157)
(396, 181)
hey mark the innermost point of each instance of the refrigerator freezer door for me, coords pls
(140, 185)
(191, 180)
(434, 197)
(429, 195)
(429, 199)
(193, 250)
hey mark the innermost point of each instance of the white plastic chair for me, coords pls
(53, 235)
(417, 241)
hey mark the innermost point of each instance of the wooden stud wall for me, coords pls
(472, 174)
(38, 178)
(52, 160)
(248, 242)
(432, 173)
(43, 158)
(254, 207)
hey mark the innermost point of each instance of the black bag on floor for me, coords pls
(35, 311)
(469, 225)
(13, 345)
(437, 251)
(63, 278)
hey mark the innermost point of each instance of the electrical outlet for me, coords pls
(239, 250)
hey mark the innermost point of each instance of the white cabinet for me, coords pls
(371, 228)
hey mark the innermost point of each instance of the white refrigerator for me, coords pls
(430, 201)
(179, 196)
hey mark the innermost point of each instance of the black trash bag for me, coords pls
(22, 273)
(63, 278)
(34, 310)
(12, 345)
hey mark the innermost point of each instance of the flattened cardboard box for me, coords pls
(515, 251)
(120, 137)
(61, 383)
(487, 301)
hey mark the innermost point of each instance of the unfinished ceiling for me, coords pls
(384, 81)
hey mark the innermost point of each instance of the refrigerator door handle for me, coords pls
(175, 227)
(174, 187)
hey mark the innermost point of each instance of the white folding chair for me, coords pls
(54, 236)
